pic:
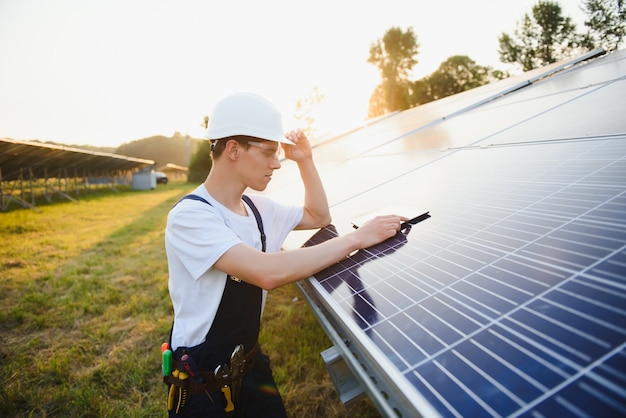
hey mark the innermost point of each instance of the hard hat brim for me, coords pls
(213, 137)
(286, 141)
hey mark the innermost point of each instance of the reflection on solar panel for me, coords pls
(510, 300)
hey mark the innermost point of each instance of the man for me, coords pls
(223, 251)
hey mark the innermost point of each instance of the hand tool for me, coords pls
(167, 362)
(406, 224)
(182, 392)
(222, 372)
(237, 363)
(418, 218)
(172, 393)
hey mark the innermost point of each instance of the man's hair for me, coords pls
(218, 146)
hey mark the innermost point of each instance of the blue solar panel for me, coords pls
(512, 303)
(510, 299)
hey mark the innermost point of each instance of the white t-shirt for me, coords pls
(196, 236)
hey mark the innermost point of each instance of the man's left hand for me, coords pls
(302, 148)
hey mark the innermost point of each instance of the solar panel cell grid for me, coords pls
(515, 295)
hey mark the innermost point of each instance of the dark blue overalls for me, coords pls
(237, 321)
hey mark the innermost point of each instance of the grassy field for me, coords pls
(84, 308)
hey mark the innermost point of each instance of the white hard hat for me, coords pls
(246, 114)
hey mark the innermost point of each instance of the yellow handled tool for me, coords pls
(172, 393)
(222, 372)
(230, 406)
(182, 393)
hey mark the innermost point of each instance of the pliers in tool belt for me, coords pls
(237, 364)
(222, 373)
(182, 392)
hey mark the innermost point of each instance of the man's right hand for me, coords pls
(378, 229)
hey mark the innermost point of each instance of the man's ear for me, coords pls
(232, 149)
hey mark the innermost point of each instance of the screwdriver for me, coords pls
(167, 362)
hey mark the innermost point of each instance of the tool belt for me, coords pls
(210, 383)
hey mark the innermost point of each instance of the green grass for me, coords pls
(84, 308)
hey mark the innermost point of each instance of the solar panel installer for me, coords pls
(223, 252)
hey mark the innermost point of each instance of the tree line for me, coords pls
(542, 37)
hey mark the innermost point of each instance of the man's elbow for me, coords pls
(324, 221)
(271, 281)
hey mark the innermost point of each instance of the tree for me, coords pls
(394, 55)
(607, 23)
(161, 149)
(377, 105)
(456, 74)
(200, 163)
(421, 92)
(542, 38)
(305, 110)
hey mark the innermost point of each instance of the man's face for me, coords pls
(261, 159)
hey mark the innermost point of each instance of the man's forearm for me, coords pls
(315, 200)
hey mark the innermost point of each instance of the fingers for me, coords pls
(380, 228)
(301, 150)
(392, 222)
(295, 136)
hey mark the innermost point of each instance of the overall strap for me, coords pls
(259, 221)
(193, 197)
(246, 199)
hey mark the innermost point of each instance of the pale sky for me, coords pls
(105, 72)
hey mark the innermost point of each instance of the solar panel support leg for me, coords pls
(348, 387)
